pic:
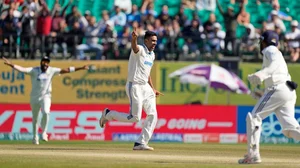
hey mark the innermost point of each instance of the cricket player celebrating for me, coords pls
(139, 89)
(279, 97)
(40, 97)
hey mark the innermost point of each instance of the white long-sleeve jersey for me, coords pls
(274, 69)
(41, 81)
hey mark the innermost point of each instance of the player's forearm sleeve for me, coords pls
(21, 69)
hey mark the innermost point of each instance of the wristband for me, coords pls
(72, 69)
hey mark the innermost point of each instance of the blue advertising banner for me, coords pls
(271, 129)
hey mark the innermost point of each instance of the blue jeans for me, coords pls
(84, 47)
(63, 46)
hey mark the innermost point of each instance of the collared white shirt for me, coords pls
(41, 82)
(140, 64)
(292, 36)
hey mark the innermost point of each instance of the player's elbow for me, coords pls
(135, 49)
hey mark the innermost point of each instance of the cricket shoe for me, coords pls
(138, 146)
(103, 120)
(45, 137)
(35, 142)
(250, 159)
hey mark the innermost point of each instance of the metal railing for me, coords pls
(168, 47)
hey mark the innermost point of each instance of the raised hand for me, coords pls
(6, 61)
(134, 34)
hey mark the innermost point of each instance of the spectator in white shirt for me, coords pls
(125, 5)
(275, 21)
(119, 18)
(92, 32)
(292, 39)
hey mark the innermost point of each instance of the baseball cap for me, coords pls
(270, 37)
(45, 58)
(294, 23)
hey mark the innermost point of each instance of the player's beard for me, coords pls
(44, 68)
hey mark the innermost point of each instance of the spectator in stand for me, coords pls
(230, 20)
(71, 17)
(60, 39)
(275, 21)
(148, 20)
(164, 15)
(134, 15)
(44, 22)
(105, 18)
(214, 39)
(181, 17)
(281, 15)
(119, 19)
(32, 6)
(209, 24)
(160, 31)
(243, 18)
(91, 32)
(125, 5)
(87, 15)
(170, 50)
(124, 43)
(59, 16)
(292, 38)
(148, 8)
(14, 5)
(10, 29)
(109, 43)
(249, 41)
(27, 33)
(176, 28)
(191, 34)
(75, 36)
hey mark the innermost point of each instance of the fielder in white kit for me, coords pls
(139, 89)
(279, 97)
(40, 97)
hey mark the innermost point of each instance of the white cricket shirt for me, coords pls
(139, 65)
(41, 82)
(274, 67)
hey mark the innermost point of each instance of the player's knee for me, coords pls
(46, 112)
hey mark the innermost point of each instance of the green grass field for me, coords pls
(63, 154)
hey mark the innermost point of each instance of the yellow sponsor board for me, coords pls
(104, 83)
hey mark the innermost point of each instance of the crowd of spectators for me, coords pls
(29, 28)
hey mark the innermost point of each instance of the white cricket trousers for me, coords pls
(141, 98)
(43, 105)
(281, 100)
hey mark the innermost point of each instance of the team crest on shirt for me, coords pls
(42, 77)
(148, 63)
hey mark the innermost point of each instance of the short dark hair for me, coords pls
(149, 34)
